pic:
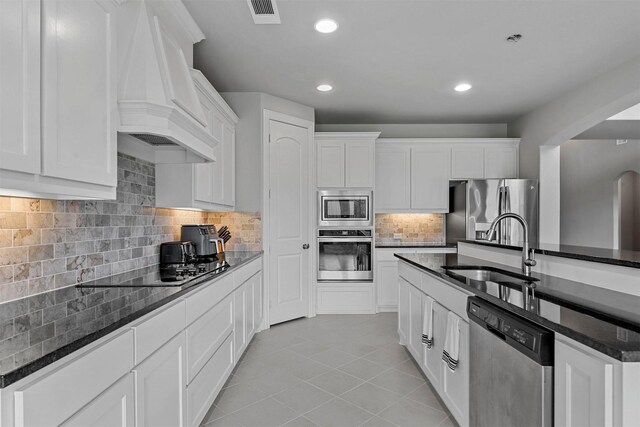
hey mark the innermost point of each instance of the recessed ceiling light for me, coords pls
(326, 26)
(324, 88)
(462, 87)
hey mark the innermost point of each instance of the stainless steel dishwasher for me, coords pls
(510, 367)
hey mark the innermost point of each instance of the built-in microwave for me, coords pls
(345, 208)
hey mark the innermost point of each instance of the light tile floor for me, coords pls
(332, 370)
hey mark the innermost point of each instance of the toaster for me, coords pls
(204, 237)
(179, 252)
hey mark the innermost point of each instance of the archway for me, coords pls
(626, 211)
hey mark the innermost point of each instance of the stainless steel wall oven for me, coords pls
(345, 255)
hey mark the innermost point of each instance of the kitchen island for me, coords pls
(597, 332)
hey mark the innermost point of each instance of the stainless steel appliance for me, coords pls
(475, 204)
(204, 237)
(345, 208)
(511, 371)
(345, 255)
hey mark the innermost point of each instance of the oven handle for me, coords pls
(345, 239)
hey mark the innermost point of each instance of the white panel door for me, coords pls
(415, 323)
(359, 164)
(161, 385)
(330, 160)
(583, 389)
(393, 178)
(467, 163)
(289, 221)
(430, 179)
(501, 162)
(113, 408)
(432, 357)
(20, 85)
(403, 310)
(387, 285)
(79, 110)
(240, 321)
(455, 385)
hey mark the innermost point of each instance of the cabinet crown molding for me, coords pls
(451, 141)
(352, 136)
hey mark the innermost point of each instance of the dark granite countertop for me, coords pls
(38, 330)
(605, 320)
(585, 253)
(397, 244)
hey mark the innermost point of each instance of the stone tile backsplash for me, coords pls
(427, 228)
(50, 244)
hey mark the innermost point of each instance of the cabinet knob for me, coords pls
(305, 246)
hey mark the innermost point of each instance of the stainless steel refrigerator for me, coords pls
(474, 204)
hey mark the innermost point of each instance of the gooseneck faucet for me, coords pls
(527, 257)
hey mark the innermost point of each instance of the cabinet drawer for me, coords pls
(207, 384)
(153, 332)
(206, 334)
(455, 299)
(245, 273)
(410, 274)
(51, 399)
(202, 301)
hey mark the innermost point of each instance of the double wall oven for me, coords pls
(345, 236)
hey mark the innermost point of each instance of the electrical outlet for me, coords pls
(397, 236)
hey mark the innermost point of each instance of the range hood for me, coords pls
(161, 118)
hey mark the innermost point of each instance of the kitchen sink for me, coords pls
(488, 274)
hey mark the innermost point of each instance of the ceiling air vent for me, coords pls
(264, 11)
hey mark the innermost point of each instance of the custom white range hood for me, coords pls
(161, 118)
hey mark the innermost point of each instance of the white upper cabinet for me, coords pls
(20, 85)
(413, 174)
(484, 159)
(58, 110)
(345, 160)
(430, 179)
(79, 104)
(209, 186)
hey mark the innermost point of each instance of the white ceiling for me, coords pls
(631, 113)
(396, 61)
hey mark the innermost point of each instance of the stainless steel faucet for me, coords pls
(527, 255)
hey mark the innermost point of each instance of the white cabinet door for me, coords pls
(455, 385)
(248, 289)
(257, 301)
(113, 408)
(160, 386)
(359, 160)
(583, 388)
(228, 164)
(467, 163)
(330, 161)
(240, 320)
(20, 85)
(415, 323)
(501, 162)
(432, 358)
(203, 181)
(79, 110)
(430, 179)
(403, 310)
(393, 178)
(387, 285)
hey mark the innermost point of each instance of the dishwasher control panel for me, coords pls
(527, 337)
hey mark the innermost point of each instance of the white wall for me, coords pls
(461, 130)
(588, 173)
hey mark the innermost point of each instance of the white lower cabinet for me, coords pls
(113, 408)
(240, 321)
(583, 394)
(202, 391)
(452, 386)
(345, 298)
(161, 385)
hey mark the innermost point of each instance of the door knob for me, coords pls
(305, 246)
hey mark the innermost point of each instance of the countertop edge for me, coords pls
(620, 355)
(570, 255)
(32, 367)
